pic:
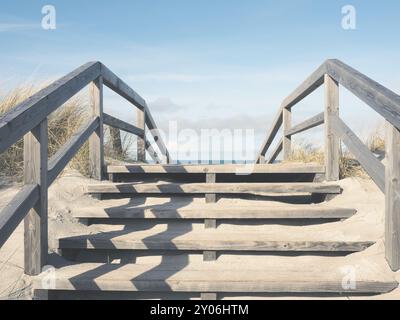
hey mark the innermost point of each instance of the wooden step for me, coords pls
(206, 188)
(224, 168)
(193, 237)
(178, 209)
(246, 274)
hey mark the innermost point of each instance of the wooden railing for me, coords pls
(29, 120)
(382, 100)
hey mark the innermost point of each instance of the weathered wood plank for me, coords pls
(211, 197)
(368, 161)
(35, 222)
(276, 152)
(141, 139)
(392, 192)
(307, 124)
(153, 154)
(203, 188)
(120, 87)
(225, 168)
(287, 140)
(122, 125)
(157, 136)
(313, 82)
(212, 212)
(96, 140)
(381, 99)
(276, 125)
(58, 162)
(28, 114)
(332, 143)
(16, 210)
(251, 274)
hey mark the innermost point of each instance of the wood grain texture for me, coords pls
(122, 125)
(332, 143)
(35, 222)
(276, 152)
(16, 210)
(251, 274)
(211, 197)
(287, 140)
(120, 211)
(225, 168)
(204, 188)
(31, 112)
(368, 161)
(58, 162)
(276, 125)
(307, 124)
(96, 140)
(141, 139)
(392, 192)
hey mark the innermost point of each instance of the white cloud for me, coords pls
(10, 27)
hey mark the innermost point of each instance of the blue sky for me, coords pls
(212, 64)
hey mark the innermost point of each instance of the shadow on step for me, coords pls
(179, 262)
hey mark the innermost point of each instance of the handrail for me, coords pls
(29, 120)
(385, 102)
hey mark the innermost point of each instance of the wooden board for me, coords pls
(204, 188)
(242, 274)
(225, 168)
(214, 212)
(307, 124)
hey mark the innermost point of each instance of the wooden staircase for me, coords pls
(157, 234)
(209, 231)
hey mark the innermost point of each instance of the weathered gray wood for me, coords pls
(224, 168)
(211, 197)
(35, 223)
(392, 193)
(224, 241)
(96, 140)
(16, 210)
(276, 125)
(313, 82)
(28, 114)
(307, 124)
(119, 86)
(287, 140)
(332, 143)
(254, 274)
(209, 256)
(276, 152)
(381, 99)
(141, 139)
(58, 162)
(153, 154)
(105, 211)
(203, 188)
(208, 296)
(210, 223)
(122, 125)
(368, 161)
(157, 136)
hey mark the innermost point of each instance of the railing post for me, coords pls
(141, 140)
(96, 146)
(35, 223)
(287, 140)
(332, 143)
(392, 197)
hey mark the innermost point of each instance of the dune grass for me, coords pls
(62, 124)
